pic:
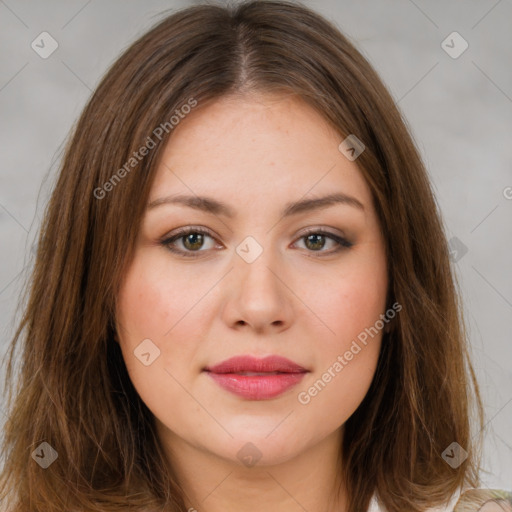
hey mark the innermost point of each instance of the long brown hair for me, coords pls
(72, 389)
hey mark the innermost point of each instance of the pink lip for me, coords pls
(281, 375)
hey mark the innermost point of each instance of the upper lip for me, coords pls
(258, 365)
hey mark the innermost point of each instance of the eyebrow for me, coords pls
(210, 205)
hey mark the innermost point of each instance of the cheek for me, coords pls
(165, 304)
(155, 297)
(155, 303)
(350, 307)
(346, 363)
(355, 304)
(351, 301)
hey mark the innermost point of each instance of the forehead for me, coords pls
(259, 148)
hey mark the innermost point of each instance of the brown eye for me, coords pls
(315, 242)
(192, 242)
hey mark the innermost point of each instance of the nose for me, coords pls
(257, 296)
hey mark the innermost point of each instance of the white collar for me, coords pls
(448, 507)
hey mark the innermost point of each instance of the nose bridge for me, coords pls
(256, 295)
(257, 262)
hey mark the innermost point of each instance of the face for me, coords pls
(245, 273)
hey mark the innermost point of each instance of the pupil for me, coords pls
(193, 239)
(317, 245)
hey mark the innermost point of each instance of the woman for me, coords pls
(241, 276)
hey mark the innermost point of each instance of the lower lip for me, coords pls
(257, 387)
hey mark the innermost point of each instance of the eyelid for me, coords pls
(325, 230)
(185, 230)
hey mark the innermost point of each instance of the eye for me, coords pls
(192, 240)
(315, 240)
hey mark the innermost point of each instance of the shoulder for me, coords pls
(484, 500)
(375, 506)
(471, 500)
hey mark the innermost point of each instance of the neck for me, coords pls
(307, 481)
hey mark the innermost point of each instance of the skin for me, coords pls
(299, 300)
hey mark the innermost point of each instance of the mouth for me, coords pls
(250, 364)
(257, 379)
(251, 374)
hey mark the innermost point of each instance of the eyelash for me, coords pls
(343, 244)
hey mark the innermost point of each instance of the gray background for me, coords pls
(458, 109)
